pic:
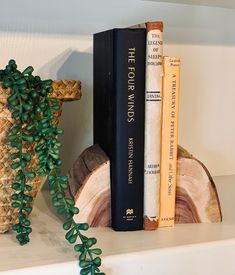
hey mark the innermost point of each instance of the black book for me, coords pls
(119, 99)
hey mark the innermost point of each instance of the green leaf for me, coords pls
(16, 186)
(27, 198)
(97, 261)
(82, 226)
(63, 178)
(14, 196)
(12, 137)
(28, 70)
(15, 155)
(11, 62)
(44, 120)
(26, 223)
(79, 247)
(61, 210)
(56, 203)
(15, 204)
(24, 96)
(73, 238)
(42, 105)
(90, 242)
(24, 117)
(70, 201)
(27, 107)
(64, 185)
(51, 177)
(14, 130)
(30, 175)
(43, 92)
(7, 83)
(82, 256)
(30, 126)
(54, 156)
(15, 144)
(39, 147)
(58, 162)
(59, 195)
(49, 89)
(52, 192)
(20, 81)
(27, 157)
(75, 210)
(67, 225)
(33, 94)
(37, 139)
(46, 82)
(27, 209)
(69, 234)
(83, 264)
(15, 165)
(12, 97)
(59, 131)
(69, 215)
(28, 187)
(85, 271)
(96, 251)
(27, 138)
(38, 110)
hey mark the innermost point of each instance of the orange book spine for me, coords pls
(169, 139)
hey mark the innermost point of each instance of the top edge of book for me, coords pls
(121, 29)
(153, 25)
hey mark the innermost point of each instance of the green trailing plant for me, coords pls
(33, 112)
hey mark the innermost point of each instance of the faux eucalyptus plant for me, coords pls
(33, 111)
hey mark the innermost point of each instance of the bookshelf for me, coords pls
(185, 249)
(56, 39)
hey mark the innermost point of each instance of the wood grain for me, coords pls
(89, 181)
(197, 200)
(196, 195)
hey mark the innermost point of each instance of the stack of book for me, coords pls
(136, 98)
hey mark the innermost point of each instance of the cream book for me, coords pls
(169, 139)
(153, 100)
(153, 107)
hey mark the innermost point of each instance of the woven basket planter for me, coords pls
(63, 90)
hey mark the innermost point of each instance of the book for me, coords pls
(169, 139)
(153, 106)
(119, 95)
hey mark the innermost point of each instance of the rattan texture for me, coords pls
(64, 90)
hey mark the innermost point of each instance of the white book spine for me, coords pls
(153, 106)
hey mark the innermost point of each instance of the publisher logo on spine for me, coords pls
(130, 211)
(130, 216)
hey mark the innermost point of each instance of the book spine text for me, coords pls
(153, 100)
(169, 140)
(122, 109)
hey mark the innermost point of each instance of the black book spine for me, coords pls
(119, 97)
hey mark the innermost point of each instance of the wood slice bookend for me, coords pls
(196, 195)
(89, 180)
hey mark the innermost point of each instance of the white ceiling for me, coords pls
(213, 3)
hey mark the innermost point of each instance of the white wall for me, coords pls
(56, 40)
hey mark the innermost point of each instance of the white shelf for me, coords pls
(168, 250)
(230, 4)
